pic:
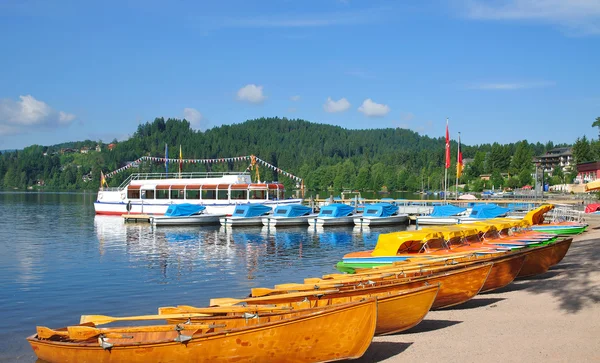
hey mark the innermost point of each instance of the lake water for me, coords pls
(58, 260)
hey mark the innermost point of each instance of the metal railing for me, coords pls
(186, 175)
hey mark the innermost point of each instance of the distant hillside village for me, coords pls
(326, 157)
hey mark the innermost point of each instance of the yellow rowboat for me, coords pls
(329, 333)
(399, 307)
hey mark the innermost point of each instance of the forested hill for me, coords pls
(323, 155)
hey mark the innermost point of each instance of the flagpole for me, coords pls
(457, 165)
(446, 164)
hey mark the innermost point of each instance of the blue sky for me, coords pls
(500, 70)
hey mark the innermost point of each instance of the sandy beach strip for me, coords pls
(554, 317)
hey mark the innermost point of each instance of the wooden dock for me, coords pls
(136, 218)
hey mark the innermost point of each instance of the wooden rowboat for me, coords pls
(315, 335)
(456, 286)
(398, 308)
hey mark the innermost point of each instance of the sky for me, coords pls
(501, 71)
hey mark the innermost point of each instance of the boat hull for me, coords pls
(241, 221)
(538, 261)
(202, 219)
(504, 271)
(287, 221)
(331, 221)
(380, 221)
(436, 221)
(305, 338)
(156, 207)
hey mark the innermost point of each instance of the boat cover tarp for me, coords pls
(336, 210)
(184, 210)
(591, 208)
(251, 210)
(488, 211)
(446, 210)
(292, 210)
(389, 244)
(593, 185)
(380, 210)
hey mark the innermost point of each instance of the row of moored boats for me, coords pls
(254, 214)
(333, 317)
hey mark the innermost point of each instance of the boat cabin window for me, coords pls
(327, 212)
(192, 194)
(239, 194)
(371, 211)
(133, 194)
(162, 194)
(176, 194)
(257, 194)
(223, 194)
(209, 194)
(272, 194)
(238, 211)
(280, 211)
(147, 194)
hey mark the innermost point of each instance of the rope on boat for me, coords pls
(251, 158)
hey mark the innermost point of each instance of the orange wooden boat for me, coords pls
(398, 308)
(538, 261)
(329, 333)
(457, 285)
(560, 250)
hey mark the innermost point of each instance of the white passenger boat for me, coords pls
(336, 214)
(380, 214)
(153, 193)
(289, 215)
(246, 215)
(186, 214)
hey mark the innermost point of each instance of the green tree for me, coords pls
(525, 178)
(597, 124)
(522, 158)
(582, 151)
(496, 179)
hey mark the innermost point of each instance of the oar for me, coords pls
(290, 288)
(182, 309)
(46, 333)
(103, 319)
(225, 301)
(87, 332)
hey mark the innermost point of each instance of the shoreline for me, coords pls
(553, 317)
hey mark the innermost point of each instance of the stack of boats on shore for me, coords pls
(328, 318)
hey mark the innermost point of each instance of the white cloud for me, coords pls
(193, 116)
(251, 93)
(336, 106)
(295, 98)
(579, 17)
(373, 109)
(29, 114)
(510, 86)
(65, 118)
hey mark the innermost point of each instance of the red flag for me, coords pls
(447, 146)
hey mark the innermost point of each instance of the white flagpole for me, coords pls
(445, 168)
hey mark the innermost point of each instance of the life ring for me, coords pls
(128, 206)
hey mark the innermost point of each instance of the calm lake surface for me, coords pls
(58, 260)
